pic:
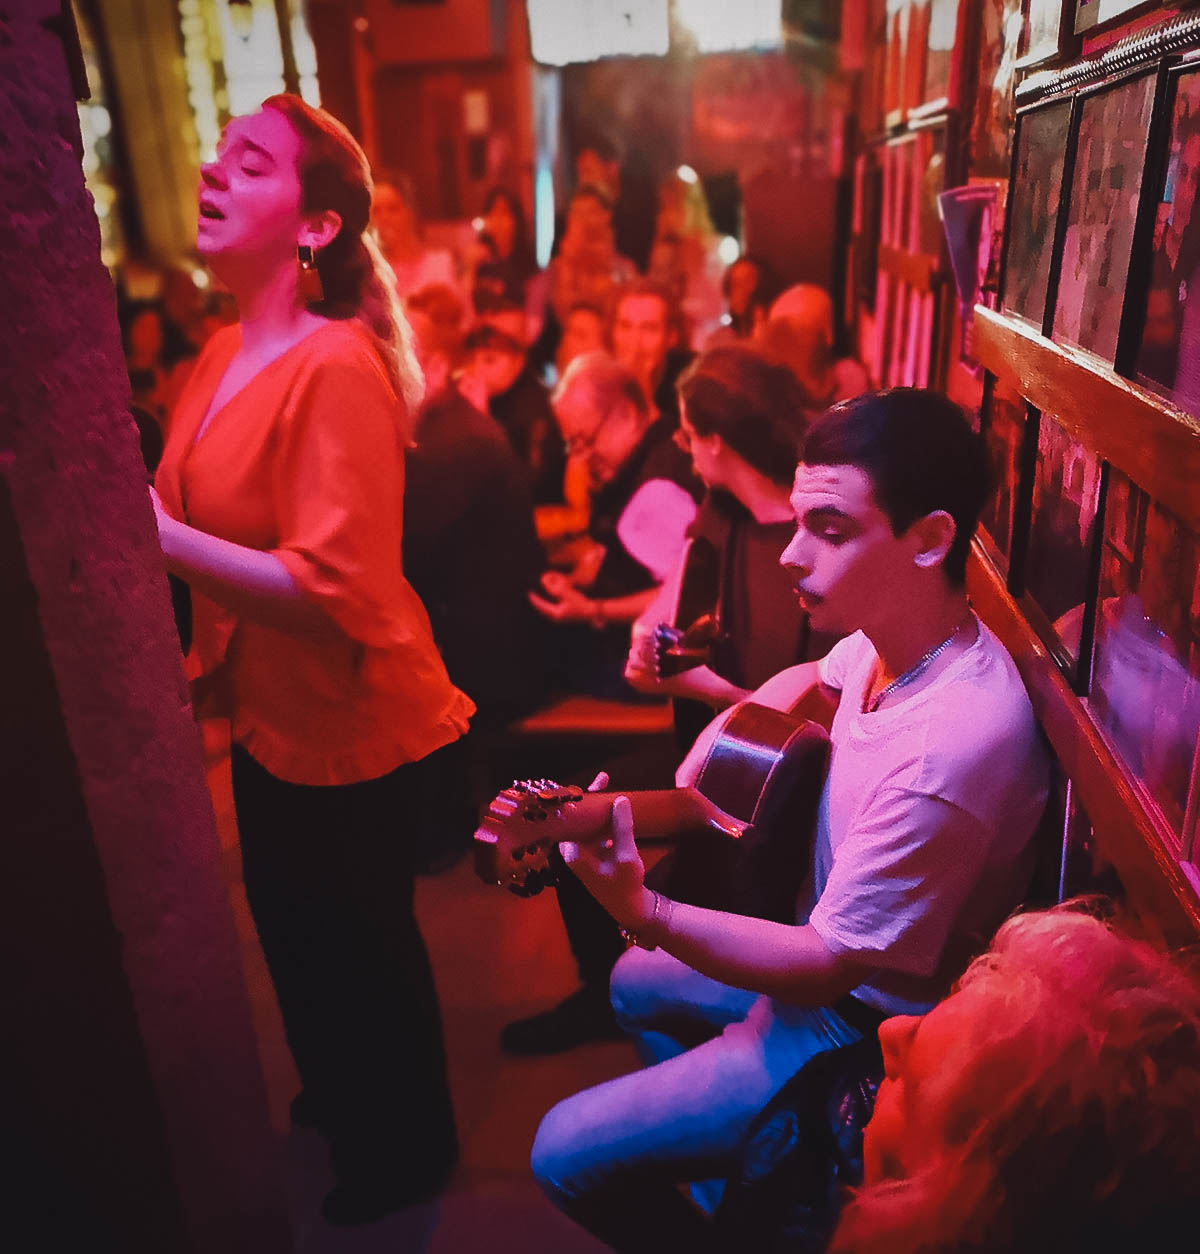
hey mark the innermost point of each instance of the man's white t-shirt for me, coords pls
(923, 833)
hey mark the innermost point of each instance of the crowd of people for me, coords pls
(412, 498)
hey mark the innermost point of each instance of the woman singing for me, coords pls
(279, 500)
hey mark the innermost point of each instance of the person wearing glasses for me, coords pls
(643, 500)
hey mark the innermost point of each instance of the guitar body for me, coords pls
(767, 768)
(760, 784)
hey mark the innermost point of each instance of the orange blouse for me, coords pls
(306, 462)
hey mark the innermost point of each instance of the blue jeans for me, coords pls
(612, 1156)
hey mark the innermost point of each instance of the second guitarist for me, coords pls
(741, 420)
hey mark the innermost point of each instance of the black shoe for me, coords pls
(586, 1015)
(364, 1200)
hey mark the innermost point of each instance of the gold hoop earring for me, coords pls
(311, 291)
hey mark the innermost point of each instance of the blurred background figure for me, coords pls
(144, 340)
(748, 288)
(601, 162)
(496, 363)
(588, 266)
(504, 269)
(471, 554)
(645, 339)
(397, 223)
(582, 332)
(799, 332)
(685, 257)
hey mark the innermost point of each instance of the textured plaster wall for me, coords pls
(145, 969)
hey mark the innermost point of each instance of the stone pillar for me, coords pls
(135, 1107)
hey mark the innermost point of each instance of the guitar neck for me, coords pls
(656, 812)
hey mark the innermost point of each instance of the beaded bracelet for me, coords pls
(664, 907)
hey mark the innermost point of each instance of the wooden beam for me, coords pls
(1128, 830)
(1157, 446)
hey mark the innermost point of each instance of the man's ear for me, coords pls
(934, 534)
(320, 229)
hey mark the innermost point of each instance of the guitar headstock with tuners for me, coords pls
(515, 836)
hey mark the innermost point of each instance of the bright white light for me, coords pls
(563, 31)
(686, 174)
(719, 26)
(543, 212)
(200, 277)
(728, 250)
(477, 224)
(101, 121)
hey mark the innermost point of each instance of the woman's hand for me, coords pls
(612, 870)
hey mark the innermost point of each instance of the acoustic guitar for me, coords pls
(760, 785)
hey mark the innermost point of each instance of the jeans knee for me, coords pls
(551, 1151)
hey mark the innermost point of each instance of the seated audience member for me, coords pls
(518, 401)
(561, 525)
(397, 224)
(922, 845)
(684, 256)
(643, 499)
(799, 332)
(471, 554)
(583, 332)
(740, 419)
(1049, 1104)
(748, 288)
(645, 340)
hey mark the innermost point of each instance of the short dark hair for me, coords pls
(921, 455)
(756, 406)
(483, 336)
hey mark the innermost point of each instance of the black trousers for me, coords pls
(329, 878)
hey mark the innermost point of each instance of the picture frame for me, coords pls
(1168, 356)
(1058, 568)
(1145, 689)
(992, 116)
(1035, 200)
(1110, 153)
(1048, 33)
(895, 73)
(938, 70)
(1004, 419)
(1090, 14)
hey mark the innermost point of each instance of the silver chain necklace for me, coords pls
(902, 681)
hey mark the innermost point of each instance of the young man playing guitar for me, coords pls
(922, 843)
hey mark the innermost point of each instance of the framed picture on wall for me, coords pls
(1106, 185)
(1041, 140)
(992, 112)
(1049, 32)
(941, 76)
(1168, 358)
(895, 74)
(1092, 13)
(1058, 564)
(1146, 678)
(1003, 431)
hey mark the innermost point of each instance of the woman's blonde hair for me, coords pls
(357, 281)
(1074, 1126)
